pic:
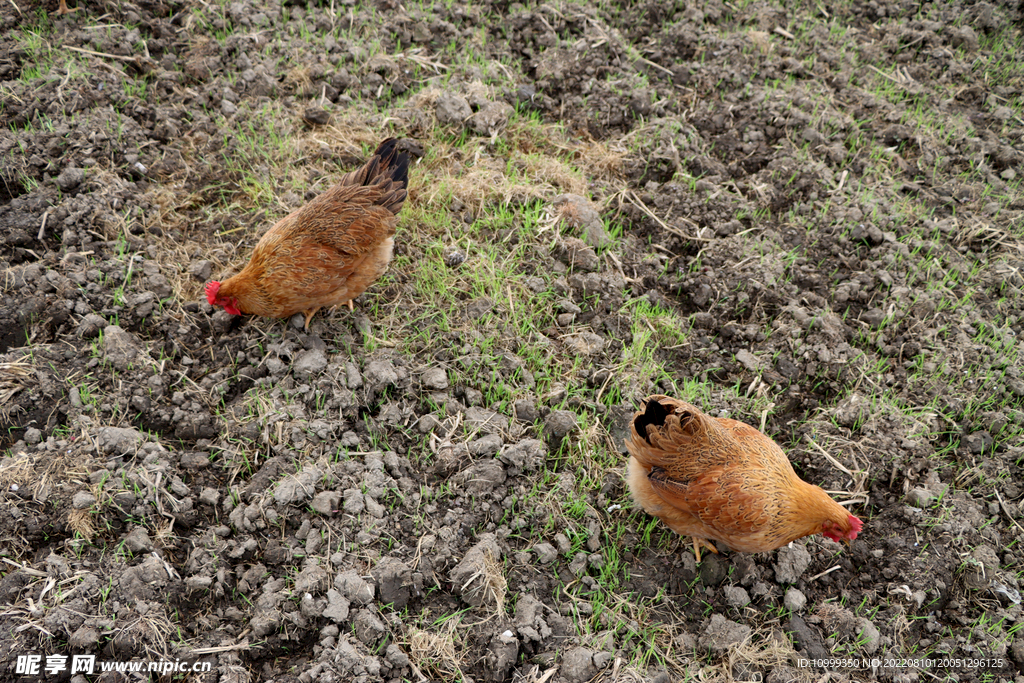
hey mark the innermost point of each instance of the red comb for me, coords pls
(211, 291)
(856, 525)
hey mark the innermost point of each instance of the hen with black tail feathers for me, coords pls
(716, 479)
(327, 252)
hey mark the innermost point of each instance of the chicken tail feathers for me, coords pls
(393, 164)
(387, 168)
(654, 415)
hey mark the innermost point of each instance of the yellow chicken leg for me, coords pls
(698, 542)
(309, 316)
(63, 8)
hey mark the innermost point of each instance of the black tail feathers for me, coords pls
(391, 162)
(654, 415)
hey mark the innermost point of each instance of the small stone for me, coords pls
(298, 487)
(310, 362)
(138, 541)
(791, 563)
(559, 423)
(546, 553)
(869, 636)
(853, 411)
(312, 578)
(337, 607)
(477, 578)
(83, 500)
(90, 326)
(435, 379)
(316, 116)
(326, 502)
(490, 119)
(120, 440)
(485, 420)
(380, 373)
(481, 477)
(33, 436)
(426, 424)
(748, 360)
(354, 501)
(603, 659)
(354, 587)
(525, 456)
(453, 258)
(201, 270)
(713, 569)
(477, 308)
(579, 213)
(794, 600)
(526, 411)
(374, 508)
(736, 597)
(209, 496)
(720, 634)
(979, 442)
(873, 317)
(578, 665)
(451, 108)
(965, 37)
(920, 498)
(70, 178)
(121, 348)
(368, 628)
(566, 306)
(394, 582)
(577, 254)
(84, 638)
(396, 657)
(584, 343)
(487, 445)
(353, 380)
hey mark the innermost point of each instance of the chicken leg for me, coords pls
(309, 316)
(63, 8)
(698, 542)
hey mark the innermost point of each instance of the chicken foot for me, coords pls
(698, 542)
(309, 316)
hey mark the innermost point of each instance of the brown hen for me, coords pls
(329, 251)
(717, 479)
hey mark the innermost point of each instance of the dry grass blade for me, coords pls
(762, 649)
(493, 585)
(82, 523)
(631, 197)
(534, 675)
(437, 653)
(13, 376)
(858, 478)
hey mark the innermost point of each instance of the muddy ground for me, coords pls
(807, 217)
